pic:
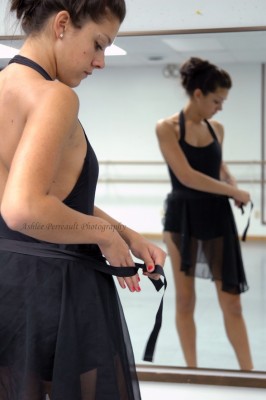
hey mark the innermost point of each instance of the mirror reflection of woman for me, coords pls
(199, 227)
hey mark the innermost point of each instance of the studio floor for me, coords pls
(171, 391)
(214, 350)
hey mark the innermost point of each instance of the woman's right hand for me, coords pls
(241, 197)
(117, 253)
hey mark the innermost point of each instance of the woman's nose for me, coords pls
(99, 62)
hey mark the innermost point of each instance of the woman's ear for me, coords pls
(197, 94)
(61, 21)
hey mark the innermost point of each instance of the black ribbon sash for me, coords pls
(244, 235)
(99, 264)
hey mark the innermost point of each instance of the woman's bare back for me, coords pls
(17, 103)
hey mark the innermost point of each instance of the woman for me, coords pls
(199, 228)
(62, 327)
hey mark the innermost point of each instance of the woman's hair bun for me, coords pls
(201, 74)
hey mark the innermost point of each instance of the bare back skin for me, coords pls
(19, 102)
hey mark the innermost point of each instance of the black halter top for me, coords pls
(205, 159)
(18, 59)
(81, 197)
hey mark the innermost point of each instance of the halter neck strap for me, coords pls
(18, 59)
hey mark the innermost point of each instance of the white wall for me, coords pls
(119, 109)
(192, 14)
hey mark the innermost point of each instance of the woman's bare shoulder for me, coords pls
(27, 93)
(56, 91)
(168, 125)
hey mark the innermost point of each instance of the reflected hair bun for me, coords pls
(201, 74)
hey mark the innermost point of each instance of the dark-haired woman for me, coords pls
(62, 329)
(199, 228)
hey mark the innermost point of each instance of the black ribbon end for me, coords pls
(148, 358)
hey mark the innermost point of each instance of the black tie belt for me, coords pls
(98, 263)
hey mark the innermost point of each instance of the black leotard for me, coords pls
(205, 159)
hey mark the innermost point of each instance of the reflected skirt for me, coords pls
(202, 227)
(61, 321)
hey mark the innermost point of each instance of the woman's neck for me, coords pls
(192, 114)
(37, 49)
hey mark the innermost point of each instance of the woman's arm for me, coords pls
(27, 204)
(226, 176)
(139, 246)
(27, 200)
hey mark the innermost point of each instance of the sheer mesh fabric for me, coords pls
(33, 388)
(62, 326)
(203, 229)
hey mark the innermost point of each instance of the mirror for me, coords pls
(145, 83)
(243, 54)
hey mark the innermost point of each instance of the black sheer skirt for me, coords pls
(61, 322)
(202, 227)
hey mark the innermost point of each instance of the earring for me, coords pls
(61, 35)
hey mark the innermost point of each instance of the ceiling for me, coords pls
(151, 15)
(147, 50)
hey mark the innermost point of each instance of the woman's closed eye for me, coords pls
(98, 46)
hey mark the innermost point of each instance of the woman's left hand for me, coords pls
(149, 253)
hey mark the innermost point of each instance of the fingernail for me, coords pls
(150, 268)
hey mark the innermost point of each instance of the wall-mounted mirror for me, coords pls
(138, 89)
(243, 54)
(222, 47)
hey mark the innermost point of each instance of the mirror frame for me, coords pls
(207, 376)
(263, 148)
(170, 374)
(191, 31)
(202, 376)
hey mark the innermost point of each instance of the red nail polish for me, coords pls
(150, 268)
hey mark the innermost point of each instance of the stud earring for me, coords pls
(61, 35)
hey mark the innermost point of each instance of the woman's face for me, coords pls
(80, 51)
(211, 103)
